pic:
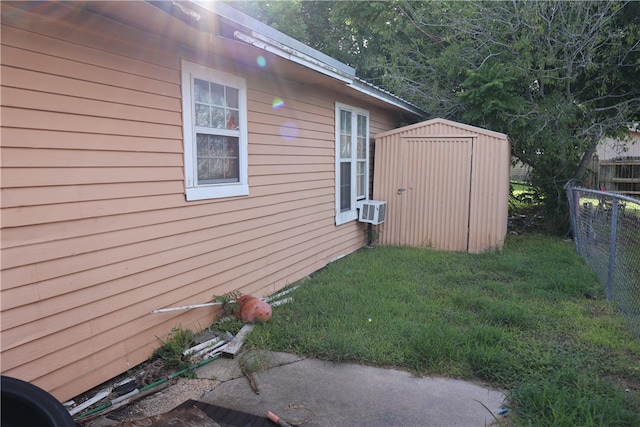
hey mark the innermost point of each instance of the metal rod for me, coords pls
(186, 307)
(574, 201)
(612, 246)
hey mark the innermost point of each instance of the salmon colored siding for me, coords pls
(96, 232)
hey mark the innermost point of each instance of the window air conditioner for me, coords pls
(372, 211)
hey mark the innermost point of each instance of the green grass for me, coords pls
(530, 319)
(178, 340)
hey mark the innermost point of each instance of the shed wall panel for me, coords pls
(446, 185)
(431, 200)
(489, 194)
(96, 231)
(437, 212)
(387, 181)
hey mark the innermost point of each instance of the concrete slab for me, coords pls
(224, 369)
(316, 393)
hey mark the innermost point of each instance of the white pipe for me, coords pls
(208, 350)
(201, 346)
(98, 397)
(125, 396)
(216, 352)
(278, 295)
(280, 302)
(186, 307)
(210, 304)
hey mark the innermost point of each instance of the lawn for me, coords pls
(530, 319)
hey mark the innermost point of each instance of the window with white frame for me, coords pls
(214, 110)
(352, 160)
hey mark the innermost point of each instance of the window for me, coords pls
(214, 110)
(352, 161)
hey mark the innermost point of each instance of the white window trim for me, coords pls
(352, 214)
(191, 70)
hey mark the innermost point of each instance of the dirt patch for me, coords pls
(184, 417)
(176, 392)
(165, 400)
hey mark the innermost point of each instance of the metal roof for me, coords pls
(254, 32)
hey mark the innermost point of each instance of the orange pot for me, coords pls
(251, 309)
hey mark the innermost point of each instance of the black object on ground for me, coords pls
(229, 417)
(26, 405)
(125, 388)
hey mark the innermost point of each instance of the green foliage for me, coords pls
(554, 76)
(284, 16)
(492, 94)
(531, 319)
(229, 302)
(254, 361)
(226, 324)
(178, 340)
(523, 197)
(352, 32)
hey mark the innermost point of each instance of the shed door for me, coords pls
(434, 192)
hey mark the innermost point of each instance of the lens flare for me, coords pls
(289, 131)
(277, 103)
(261, 61)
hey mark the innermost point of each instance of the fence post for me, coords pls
(575, 223)
(612, 246)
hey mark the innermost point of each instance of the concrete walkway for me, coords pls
(315, 393)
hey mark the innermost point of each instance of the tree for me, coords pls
(554, 76)
(351, 32)
(284, 16)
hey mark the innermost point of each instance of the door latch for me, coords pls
(401, 190)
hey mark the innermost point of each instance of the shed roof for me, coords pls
(433, 122)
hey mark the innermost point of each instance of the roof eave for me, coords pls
(262, 36)
(386, 96)
(265, 33)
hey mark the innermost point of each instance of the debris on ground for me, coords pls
(236, 343)
(188, 417)
(157, 388)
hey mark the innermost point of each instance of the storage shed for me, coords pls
(446, 185)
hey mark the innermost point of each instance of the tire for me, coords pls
(26, 405)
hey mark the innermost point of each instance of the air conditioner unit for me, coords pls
(372, 211)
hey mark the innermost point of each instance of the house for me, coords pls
(611, 148)
(519, 171)
(616, 165)
(157, 154)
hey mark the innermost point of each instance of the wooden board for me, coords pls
(234, 345)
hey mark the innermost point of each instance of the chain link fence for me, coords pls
(606, 230)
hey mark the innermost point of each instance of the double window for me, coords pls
(352, 160)
(214, 108)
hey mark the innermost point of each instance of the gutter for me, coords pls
(270, 35)
(386, 96)
(262, 36)
(292, 55)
